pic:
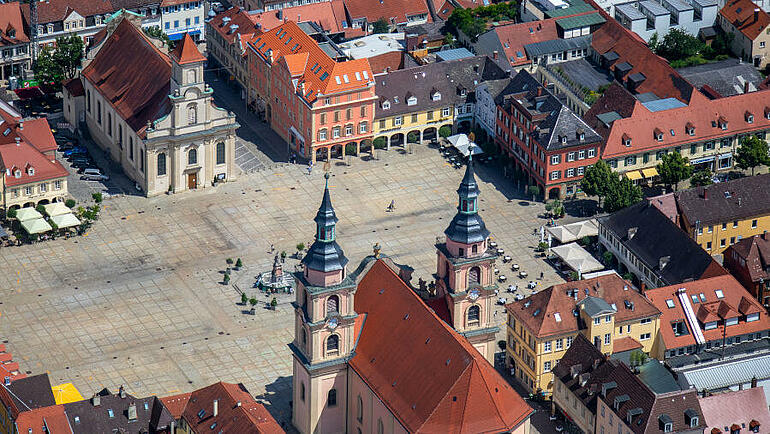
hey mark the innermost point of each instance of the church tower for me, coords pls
(465, 270)
(324, 330)
(189, 95)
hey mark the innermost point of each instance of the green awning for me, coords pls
(65, 220)
(36, 226)
(28, 213)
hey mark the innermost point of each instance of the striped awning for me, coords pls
(650, 172)
(634, 175)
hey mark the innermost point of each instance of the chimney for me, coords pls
(132, 412)
(705, 193)
(753, 382)
(21, 125)
(96, 400)
(216, 407)
(7, 381)
(494, 54)
(756, 14)
(663, 261)
(238, 404)
(122, 392)
(739, 201)
(575, 370)
(740, 386)
(173, 427)
(596, 363)
(705, 393)
(746, 83)
(279, 14)
(632, 232)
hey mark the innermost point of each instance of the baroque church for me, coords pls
(371, 356)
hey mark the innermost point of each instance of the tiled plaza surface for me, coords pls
(138, 301)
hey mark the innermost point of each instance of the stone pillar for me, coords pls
(329, 153)
(358, 149)
(387, 143)
(421, 136)
(312, 155)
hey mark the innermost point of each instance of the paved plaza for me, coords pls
(138, 300)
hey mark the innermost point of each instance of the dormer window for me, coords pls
(386, 105)
(17, 173)
(582, 136)
(436, 96)
(395, 100)
(564, 140)
(689, 129)
(658, 135)
(749, 118)
(767, 112)
(722, 122)
(412, 100)
(626, 140)
(30, 171)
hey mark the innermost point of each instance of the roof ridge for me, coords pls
(486, 387)
(449, 389)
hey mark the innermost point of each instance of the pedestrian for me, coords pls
(272, 248)
(309, 169)
(392, 205)
(541, 275)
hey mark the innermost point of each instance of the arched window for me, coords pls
(220, 153)
(302, 391)
(474, 313)
(120, 132)
(161, 164)
(192, 114)
(303, 335)
(474, 276)
(192, 156)
(332, 345)
(88, 101)
(141, 160)
(191, 76)
(331, 399)
(333, 304)
(380, 427)
(360, 409)
(474, 249)
(109, 124)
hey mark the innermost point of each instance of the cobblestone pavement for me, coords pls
(139, 301)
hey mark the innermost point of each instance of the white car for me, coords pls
(94, 175)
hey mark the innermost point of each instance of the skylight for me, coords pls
(719, 293)
(702, 297)
(366, 75)
(345, 78)
(670, 303)
(695, 299)
(337, 79)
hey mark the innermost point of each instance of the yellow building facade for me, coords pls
(540, 328)
(412, 127)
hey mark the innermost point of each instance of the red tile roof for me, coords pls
(53, 418)
(222, 24)
(734, 297)
(394, 11)
(9, 369)
(428, 376)
(321, 73)
(38, 133)
(29, 163)
(327, 14)
(11, 20)
(755, 251)
(238, 412)
(557, 300)
(740, 13)
(387, 62)
(187, 52)
(625, 344)
(133, 74)
(74, 86)
(701, 113)
(731, 407)
(51, 11)
(513, 38)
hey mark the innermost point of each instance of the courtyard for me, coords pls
(139, 301)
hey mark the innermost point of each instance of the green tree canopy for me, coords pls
(157, 33)
(380, 26)
(678, 45)
(752, 153)
(622, 193)
(596, 180)
(473, 22)
(674, 168)
(60, 63)
(701, 178)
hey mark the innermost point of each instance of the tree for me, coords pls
(244, 298)
(653, 43)
(238, 263)
(273, 303)
(533, 191)
(596, 180)
(97, 197)
(157, 33)
(445, 131)
(60, 63)
(674, 168)
(622, 193)
(229, 261)
(752, 153)
(678, 45)
(226, 278)
(11, 213)
(380, 26)
(607, 258)
(701, 178)
(252, 302)
(69, 203)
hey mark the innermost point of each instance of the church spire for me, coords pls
(467, 227)
(325, 255)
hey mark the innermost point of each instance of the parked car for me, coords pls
(82, 163)
(93, 174)
(66, 146)
(77, 150)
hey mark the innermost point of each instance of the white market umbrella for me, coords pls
(36, 226)
(28, 213)
(65, 220)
